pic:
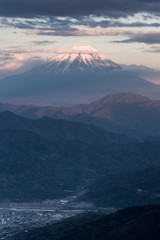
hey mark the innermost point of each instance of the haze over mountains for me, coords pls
(124, 113)
(104, 152)
(61, 130)
(45, 158)
(79, 75)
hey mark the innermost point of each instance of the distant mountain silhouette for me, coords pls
(127, 113)
(45, 158)
(123, 113)
(40, 158)
(61, 130)
(78, 76)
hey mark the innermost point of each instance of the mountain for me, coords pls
(147, 73)
(47, 158)
(61, 130)
(136, 223)
(34, 168)
(132, 114)
(82, 58)
(125, 190)
(79, 75)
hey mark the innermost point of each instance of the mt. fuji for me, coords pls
(76, 75)
(82, 58)
(79, 58)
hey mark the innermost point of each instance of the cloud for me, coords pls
(17, 63)
(148, 38)
(4, 56)
(21, 59)
(155, 49)
(112, 8)
(76, 32)
(55, 23)
(14, 61)
(11, 60)
(133, 33)
(45, 42)
(10, 66)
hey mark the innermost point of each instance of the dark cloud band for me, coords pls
(67, 24)
(149, 38)
(112, 8)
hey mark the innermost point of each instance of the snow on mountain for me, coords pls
(76, 75)
(78, 58)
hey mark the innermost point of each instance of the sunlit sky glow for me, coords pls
(34, 30)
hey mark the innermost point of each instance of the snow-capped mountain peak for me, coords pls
(81, 49)
(82, 58)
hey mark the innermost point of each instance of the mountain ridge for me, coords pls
(60, 130)
(128, 113)
(41, 158)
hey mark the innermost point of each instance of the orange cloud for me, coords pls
(10, 66)
(16, 61)
(91, 32)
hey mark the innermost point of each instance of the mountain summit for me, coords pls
(78, 58)
(76, 75)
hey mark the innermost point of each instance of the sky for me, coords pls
(126, 31)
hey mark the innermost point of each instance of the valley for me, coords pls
(53, 169)
(22, 217)
(134, 223)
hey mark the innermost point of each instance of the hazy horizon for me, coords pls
(127, 33)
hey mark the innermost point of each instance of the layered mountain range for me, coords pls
(61, 130)
(46, 158)
(132, 114)
(76, 76)
(104, 152)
